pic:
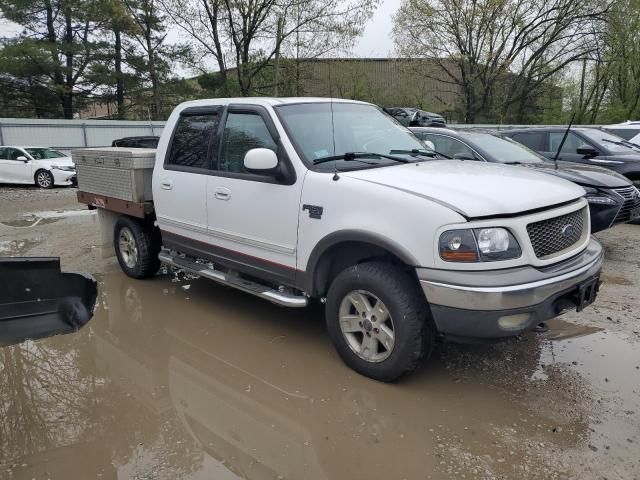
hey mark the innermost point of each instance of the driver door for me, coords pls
(13, 170)
(252, 219)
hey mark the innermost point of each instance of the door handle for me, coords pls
(166, 184)
(222, 193)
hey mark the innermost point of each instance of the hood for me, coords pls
(474, 189)
(586, 175)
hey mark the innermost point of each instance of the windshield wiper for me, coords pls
(425, 153)
(351, 156)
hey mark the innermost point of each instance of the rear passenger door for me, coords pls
(253, 219)
(180, 184)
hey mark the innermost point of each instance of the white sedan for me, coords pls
(43, 167)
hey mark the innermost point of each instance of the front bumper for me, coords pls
(64, 177)
(502, 303)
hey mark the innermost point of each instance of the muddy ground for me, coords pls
(182, 379)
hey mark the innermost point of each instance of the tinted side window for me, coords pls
(571, 144)
(14, 153)
(626, 133)
(3, 154)
(190, 143)
(242, 132)
(534, 140)
(448, 146)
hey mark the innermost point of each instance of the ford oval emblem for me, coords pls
(568, 230)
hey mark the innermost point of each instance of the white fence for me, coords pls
(68, 134)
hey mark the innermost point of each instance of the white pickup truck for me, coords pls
(307, 198)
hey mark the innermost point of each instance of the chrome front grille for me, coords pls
(631, 201)
(556, 234)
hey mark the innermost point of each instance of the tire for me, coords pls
(412, 328)
(43, 179)
(137, 246)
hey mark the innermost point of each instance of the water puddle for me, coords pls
(29, 220)
(16, 248)
(207, 382)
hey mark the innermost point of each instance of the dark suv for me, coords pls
(612, 199)
(589, 146)
(414, 117)
(137, 142)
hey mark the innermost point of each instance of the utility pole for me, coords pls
(276, 62)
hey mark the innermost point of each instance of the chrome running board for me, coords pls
(231, 279)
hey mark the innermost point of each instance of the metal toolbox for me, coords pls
(123, 173)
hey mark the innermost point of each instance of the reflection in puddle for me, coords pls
(43, 218)
(211, 383)
(14, 248)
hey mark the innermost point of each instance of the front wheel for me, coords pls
(44, 179)
(378, 320)
(136, 247)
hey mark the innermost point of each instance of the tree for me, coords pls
(150, 33)
(203, 21)
(55, 48)
(253, 35)
(500, 54)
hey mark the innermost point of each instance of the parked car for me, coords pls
(293, 199)
(414, 117)
(589, 146)
(44, 167)
(612, 198)
(629, 130)
(137, 142)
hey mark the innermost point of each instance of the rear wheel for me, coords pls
(378, 320)
(44, 179)
(136, 247)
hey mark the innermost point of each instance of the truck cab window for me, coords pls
(190, 144)
(242, 132)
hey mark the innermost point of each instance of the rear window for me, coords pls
(534, 140)
(191, 139)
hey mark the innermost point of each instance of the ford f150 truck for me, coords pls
(300, 199)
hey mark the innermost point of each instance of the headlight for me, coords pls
(64, 168)
(478, 245)
(600, 200)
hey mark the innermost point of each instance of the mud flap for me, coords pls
(38, 300)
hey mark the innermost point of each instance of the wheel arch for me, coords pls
(42, 169)
(341, 249)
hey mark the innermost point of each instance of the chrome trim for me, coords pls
(506, 297)
(513, 288)
(230, 279)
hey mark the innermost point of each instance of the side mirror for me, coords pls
(464, 156)
(22, 158)
(261, 161)
(587, 151)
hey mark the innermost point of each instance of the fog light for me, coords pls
(514, 322)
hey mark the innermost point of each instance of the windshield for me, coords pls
(44, 153)
(503, 150)
(358, 128)
(613, 143)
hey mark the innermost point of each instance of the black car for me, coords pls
(414, 117)
(612, 198)
(137, 142)
(589, 146)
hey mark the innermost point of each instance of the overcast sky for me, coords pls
(375, 42)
